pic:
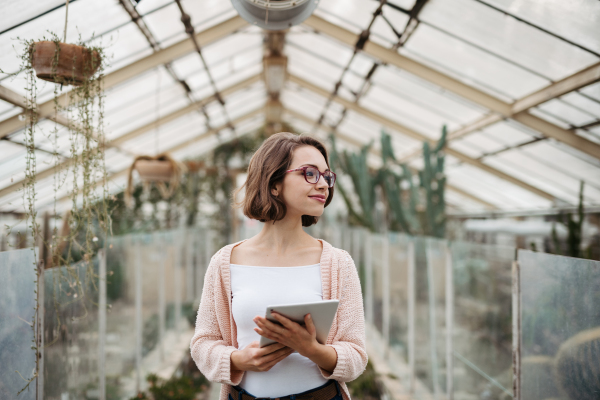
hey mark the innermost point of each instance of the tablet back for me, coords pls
(322, 313)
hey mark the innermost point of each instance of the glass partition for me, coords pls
(18, 279)
(379, 279)
(560, 322)
(71, 331)
(482, 332)
(399, 291)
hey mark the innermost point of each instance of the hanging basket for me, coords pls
(160, 169)
(68, 63)
(155, 170)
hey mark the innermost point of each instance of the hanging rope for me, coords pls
(66, 19)
(157, 113)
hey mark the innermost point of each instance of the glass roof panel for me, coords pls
(492, 189)
(576, 20)
(428, 97)
(524, 168)
(353, 15)
(566, 112)
(18, 12)
(583, 103)
(592, 91)
(507, 37)
(404, 112)
(470, 64)
(86, 18)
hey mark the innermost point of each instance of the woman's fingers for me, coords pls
(276, 360)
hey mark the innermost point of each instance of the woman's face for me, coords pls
(299, 195)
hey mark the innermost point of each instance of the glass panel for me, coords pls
(482, 335)
(560, 353)
(576, 20)
(398, 247)
(509, 38)
(71, 331)
(18, 279)
(436, 283)
(120, 320)
(471, 65)
(378, 280)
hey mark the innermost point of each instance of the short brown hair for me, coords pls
(267, 168)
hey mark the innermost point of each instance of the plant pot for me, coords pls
(75, 63)
(155, 170)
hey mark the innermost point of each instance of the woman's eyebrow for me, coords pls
(313, 165)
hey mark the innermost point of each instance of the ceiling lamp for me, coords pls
(275, 14)
(275, 68)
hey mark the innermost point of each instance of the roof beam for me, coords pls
(420, 137)
(139, 131)
(587, 76)
(377, 153)
(129, 71)
(180, 146)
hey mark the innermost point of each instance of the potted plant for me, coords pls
(63, 63)
(161, 169)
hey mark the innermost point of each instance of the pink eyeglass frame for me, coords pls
(320, 175)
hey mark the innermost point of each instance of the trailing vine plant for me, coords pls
(89, 222)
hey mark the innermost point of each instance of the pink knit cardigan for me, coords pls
(215, 336)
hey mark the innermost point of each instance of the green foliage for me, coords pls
(415, 209)
(574, 228)
(365, 386)
(176, 388)
(84, 105)
(364, 182)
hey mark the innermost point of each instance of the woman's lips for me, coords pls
(318, 199)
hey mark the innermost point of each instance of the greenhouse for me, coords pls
(456, 229)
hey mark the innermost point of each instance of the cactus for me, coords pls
(574, 229)
(433, 182)
(405, 213)
(578, 365)
(364, 181)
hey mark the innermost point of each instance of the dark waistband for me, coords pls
(325, 392)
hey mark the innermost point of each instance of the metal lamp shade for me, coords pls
(275, 14)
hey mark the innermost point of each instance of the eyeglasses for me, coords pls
(312, 175)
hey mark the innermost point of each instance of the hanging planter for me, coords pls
(160, 169)
(63, 63)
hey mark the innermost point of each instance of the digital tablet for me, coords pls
(322, 313)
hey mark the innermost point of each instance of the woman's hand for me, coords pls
(291, 334)
(255, 358)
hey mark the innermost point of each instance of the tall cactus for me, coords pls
(404, 207)
(364, 181)
(433, 180)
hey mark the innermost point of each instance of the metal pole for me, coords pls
(385, 275)
(40, 329)
(432, 321)
(138, 315)
(516, 325)
(162, 259)
(411, 313)
(369, 279)
(189, 274)
(449, 324)
(177, 278)
(199, 279)
(102, 324)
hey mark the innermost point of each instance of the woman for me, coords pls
(288, 186)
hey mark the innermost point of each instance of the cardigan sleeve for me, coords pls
(350, 339)
(209, 351)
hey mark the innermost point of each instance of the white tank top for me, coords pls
(253, 289)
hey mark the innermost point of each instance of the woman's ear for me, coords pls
(276, 190)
